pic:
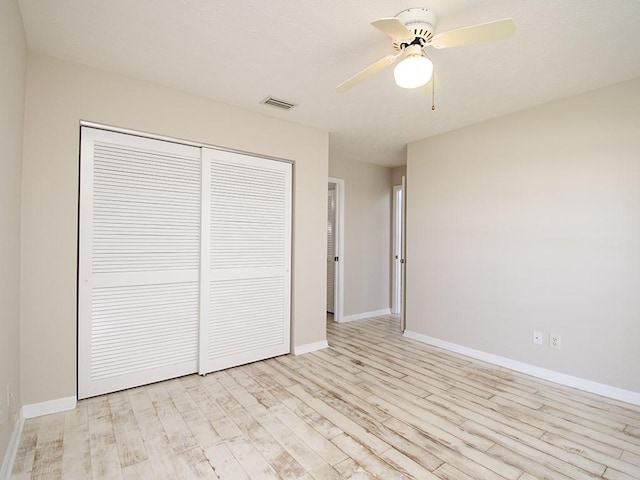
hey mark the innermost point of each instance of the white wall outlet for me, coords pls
(537, 337)
(554, 340)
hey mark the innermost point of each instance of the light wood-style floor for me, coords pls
(373, 405)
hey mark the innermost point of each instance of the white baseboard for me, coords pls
(310, 347)
(360, 316)
(47, 408)
(550, 375)
(12, 450)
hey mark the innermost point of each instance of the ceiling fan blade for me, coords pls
(392, 27)
(483, 32)
(366, 73)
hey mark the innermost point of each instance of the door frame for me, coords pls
(396, 252)
(338, 284)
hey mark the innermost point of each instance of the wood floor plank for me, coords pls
(351, 470)
(527, 464)
(130, 444)
(601, 413)
(613, 474)
(305, 433)
(443, 414)
(367, 459)
(630, 458)
(462, 457)
(162, 459)
(483, 412)
(47, 462)
(373, 405)
(567, 463)
(176, 430)
(196, 464)
(449, 472)
(76, 455)
(25, 455)
(304, 455)
(346, 424)
(238, 405)
(105, 460)
(139, 471)
(553, 424)
(621, 464)
(251, 460)
(445, 432)
(405, 465)
(382, 431)
(312, 418)
(326, 472)
(225, 465)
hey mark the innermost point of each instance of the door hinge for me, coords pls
(335, 259)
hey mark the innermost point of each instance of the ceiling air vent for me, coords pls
(277, 102)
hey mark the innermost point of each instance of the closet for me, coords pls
(184, 261)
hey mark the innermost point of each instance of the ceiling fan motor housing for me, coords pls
(421, 22)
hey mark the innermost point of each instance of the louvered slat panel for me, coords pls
(138, 294)
(134, 187)
(135, 328)
(246, 258)
(248, 315)
(248, 213)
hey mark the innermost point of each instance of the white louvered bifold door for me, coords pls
(246, 259)
(139, 260)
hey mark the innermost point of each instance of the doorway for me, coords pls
(398, 274)
(335, 247)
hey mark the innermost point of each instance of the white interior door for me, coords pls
(336, 270)
(403, 255)
(246, 259)
(331, 247)
(139, 254)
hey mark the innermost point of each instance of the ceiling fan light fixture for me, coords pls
(413, 71)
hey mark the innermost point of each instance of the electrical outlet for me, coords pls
(537, 337)
(554, 340)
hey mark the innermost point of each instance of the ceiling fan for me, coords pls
(413, 30)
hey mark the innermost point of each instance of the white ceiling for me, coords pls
(238, 52)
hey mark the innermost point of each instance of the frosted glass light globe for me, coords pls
(414, 71)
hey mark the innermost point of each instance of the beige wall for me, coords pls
(59, 95)
(13, 58)
(366, 238)
(532, 221)
(397, 173)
